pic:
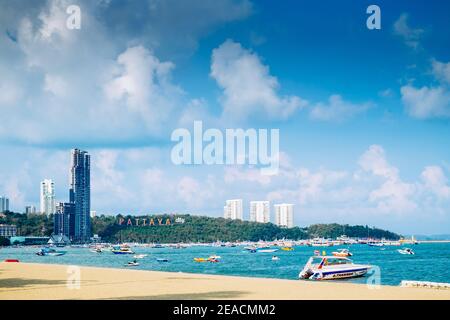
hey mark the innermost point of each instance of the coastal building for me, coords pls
(93, 214)
(4, 204)
(284, 215)
(47, 197)
(7, 230)
(233, 209)
(80, 194)
(30, 210)
(29, 241)
(64, 220)
(260, 211)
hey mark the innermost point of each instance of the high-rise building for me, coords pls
(80, 194)
(64, 223)
(30, 209)
(233, 209)
(47, 197)
(4, 204)
(284, 215)
(260, 211)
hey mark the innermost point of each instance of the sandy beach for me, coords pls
(45, 281)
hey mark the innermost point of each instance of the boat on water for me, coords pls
(405, 251)
(122, 250)
(332, 268)
(96, 250)
(50, 252)
(267, 250)
(131, 264)
(275, 258)
(342, 253)
(287, 249)
(139, 256)
(375, 244)
(212, 258)
(162, 260)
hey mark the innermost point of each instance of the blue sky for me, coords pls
(364, 115)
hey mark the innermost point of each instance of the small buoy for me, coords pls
(11, 260)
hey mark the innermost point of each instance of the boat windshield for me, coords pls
(333, 261)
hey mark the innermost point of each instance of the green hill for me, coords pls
(194, 229)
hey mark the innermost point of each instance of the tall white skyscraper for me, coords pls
(260, 211)
(284, 215)
(48, 205)
(233, 209)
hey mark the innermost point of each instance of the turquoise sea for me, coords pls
(430, 263)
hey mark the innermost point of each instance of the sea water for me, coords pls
(431, 261)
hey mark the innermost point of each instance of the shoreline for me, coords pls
(31, 281)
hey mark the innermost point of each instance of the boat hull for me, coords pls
(337, 274)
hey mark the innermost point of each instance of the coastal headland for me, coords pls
(47, 281)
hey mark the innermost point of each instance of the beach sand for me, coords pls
(46, 281)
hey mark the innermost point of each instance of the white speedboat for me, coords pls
(267, 250)
(405, 251)
(342, 253)
(275, 258)
(331, 268)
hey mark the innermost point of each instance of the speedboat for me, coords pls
(405, 251)
(375, 244)
(331, 268)
(122, 250)
(50, 252)
(139, 256)
(162, 260)
(275, 258)
(131, 264)
(342, 253)
(267, 250)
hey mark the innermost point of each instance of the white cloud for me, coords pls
(441, 71)
(436, 181)
(337, 109)
(393, 195)
(248, 87)
(411, 36)
(144, 84)
(426, 102)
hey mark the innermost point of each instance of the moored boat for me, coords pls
(50, 252)
(331, 268)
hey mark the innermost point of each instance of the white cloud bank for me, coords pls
(248, 87)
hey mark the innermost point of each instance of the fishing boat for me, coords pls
(50, 252)
(331, 268)
(139, 256)
(342, 253)
(405, 251)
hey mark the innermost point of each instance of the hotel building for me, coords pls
(284, 215)
(80, 193)
(47, 197)
(4, 204)
(260, 211)
(233, 209)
